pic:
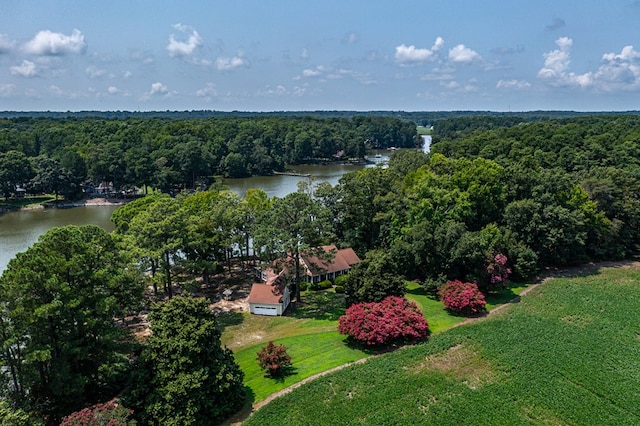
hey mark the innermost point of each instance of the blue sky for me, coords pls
(320, 55)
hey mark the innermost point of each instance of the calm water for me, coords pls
(18, 230)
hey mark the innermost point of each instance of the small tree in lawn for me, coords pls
(394, 319)
(274, 358)
(463, 298)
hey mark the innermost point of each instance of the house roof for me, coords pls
(266, 293)
(342, 259)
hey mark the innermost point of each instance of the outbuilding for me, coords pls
(271, 298)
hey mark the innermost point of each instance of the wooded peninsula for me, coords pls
(497, 200)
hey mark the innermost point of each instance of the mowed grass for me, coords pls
(567, 353)
(310, 333)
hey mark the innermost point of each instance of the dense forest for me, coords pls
(538, 194)
(421, 118)
(58, 155)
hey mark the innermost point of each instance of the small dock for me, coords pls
(292, 174)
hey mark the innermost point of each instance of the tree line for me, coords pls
(541, 194)
(59, 155)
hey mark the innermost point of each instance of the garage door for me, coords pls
(264, 310)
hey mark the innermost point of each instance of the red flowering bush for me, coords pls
(274, 358)
(380, 323)
(464, 298)
(107, 414)
(498, 271)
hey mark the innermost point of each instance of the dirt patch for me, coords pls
(462, 363)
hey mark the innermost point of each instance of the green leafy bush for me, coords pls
(341, 280)
(322, 285)
(339, 289)
(304, 286)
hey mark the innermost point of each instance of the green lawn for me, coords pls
(567, 353)
(310, 333)
(310, 354)
(437, 316)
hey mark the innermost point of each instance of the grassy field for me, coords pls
(567, 353)
(311, 336)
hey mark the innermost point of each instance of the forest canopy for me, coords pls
(170, 154)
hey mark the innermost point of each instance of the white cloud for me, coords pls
(49, 43)
(350, 38)
(364, 78)
(411, 54)
(312, 73)
(55, 90)
(144, 57)
(619, 71)
(269, 90)
(229, 64)
(158, 88)
(304, 55)
(26, 69)
(463, 55)
(513, 84)
(437, 45)
(208, 91)
(6, 44)
(113, 90)
(184, 49)
(437, 76)
(556, 66)
(94, 72)
(6, 89)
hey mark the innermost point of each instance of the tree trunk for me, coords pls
(297, 260)
(169, 288)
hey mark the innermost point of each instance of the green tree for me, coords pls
(49, 176)
(373, 279)
(184, 376)
(157, 233)
(293, 225)
(15, 169)
(61, 347)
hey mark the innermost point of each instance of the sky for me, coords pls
(305, 55)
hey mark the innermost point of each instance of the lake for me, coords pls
(18, 230)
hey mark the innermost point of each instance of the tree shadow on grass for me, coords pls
(421, 291)
(320, 305)
(284, 372)
(245, 411)
(227, 319)
(506, 295)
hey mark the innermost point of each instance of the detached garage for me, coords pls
(268, 299)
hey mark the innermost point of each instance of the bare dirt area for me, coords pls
(227, 293)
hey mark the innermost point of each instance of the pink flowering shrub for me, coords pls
(274, 358)
(498, 271)
(392, 320)
(107, 414)
(464, 298)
